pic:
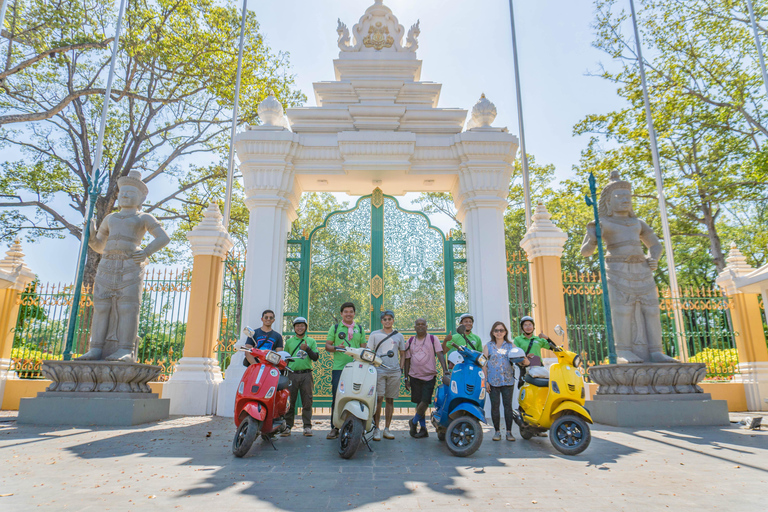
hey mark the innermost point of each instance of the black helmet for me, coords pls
(527, 319)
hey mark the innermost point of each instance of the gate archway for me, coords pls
(379, 256)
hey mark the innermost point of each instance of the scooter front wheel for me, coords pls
(350, 436)
(570, 434)
(245, 436)
(464, 436)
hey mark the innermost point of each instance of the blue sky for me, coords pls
(466, 46)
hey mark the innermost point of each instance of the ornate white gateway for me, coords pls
(376, 125)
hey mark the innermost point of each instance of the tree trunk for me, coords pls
(715, 244)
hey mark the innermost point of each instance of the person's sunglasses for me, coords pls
(499, 330)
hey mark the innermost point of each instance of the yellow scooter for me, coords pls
(553, 399)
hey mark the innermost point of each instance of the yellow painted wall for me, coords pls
(733, 392)
(17, 389)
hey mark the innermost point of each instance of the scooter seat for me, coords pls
(538, 382)
(283, 383)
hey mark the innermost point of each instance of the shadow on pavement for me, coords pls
(306, 473)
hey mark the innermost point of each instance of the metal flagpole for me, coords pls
(524, 155)
(95, 182)
(231, 168)
(3, 7)
(759, 46)
(659, 183)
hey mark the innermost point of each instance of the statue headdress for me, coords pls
(615, 183)
(134, 180)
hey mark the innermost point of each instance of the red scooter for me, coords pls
(262, 400)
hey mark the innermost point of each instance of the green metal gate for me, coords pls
(378, 256)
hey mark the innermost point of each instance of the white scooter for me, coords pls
(356, 399)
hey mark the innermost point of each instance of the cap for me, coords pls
(387, 312)
(466, 315)
(300, 320)
(527, 319)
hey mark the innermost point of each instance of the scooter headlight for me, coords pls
(481, 360)
(482, 393)
(577, 361)
(368, 356)
(273, 357)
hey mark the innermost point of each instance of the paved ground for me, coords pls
(185, 463)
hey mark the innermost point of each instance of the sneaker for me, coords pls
(388, 434)
(497, 436)
(376, 434)
(510, 437)
(308, 431)
(285, 433)
(333, 434)
(413, 426)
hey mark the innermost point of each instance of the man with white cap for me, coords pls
(388, 382)
(304, 348)
(475, 343)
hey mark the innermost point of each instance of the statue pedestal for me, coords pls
(654, 395)
(95, 393)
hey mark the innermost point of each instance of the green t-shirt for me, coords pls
(538, 344)
(475, 342)
(292, 346)
(340, 359)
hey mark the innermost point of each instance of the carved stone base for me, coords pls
(648, 378)
(99, 376)
(654, 395)
(86, 409)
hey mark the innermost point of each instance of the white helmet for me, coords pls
(455, 358)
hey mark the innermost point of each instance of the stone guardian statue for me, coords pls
(120, 276)
(634, 298)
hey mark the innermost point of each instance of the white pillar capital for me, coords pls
(210, 237)
(14, 273)
(543, 237)
(737, 267)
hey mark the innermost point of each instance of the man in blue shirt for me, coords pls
(264, 338)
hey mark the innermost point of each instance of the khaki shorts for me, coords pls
(388, 385)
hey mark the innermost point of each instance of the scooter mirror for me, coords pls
(461, 329)
(300, 355)
(559, 330)
(248, 331)
(390, 354)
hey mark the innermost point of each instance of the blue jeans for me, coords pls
(335, 378)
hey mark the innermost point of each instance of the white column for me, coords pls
(14, 278)
(194, 385)
(271, 195)
(480, 196)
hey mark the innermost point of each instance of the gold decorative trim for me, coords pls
(378, 37)
(377, 286)
(377, 198)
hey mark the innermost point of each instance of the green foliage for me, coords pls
(172, 99)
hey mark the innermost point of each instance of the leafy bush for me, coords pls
(718, 361)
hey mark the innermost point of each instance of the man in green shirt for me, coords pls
(301, 377)
(475, 343)
(347, 333)
(529, 342)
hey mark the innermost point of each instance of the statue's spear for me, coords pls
(592, 201)
(95, 183)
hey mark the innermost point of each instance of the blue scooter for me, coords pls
(460, 403)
